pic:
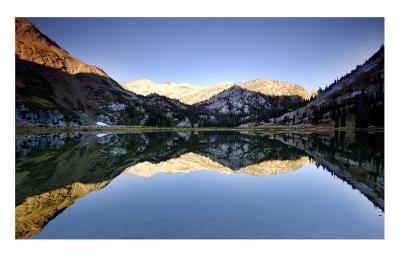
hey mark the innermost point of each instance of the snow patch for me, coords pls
(118, 151)
(184, 124)
(102, 124)
(117, 107)
(355, 93)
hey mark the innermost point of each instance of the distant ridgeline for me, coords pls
(53, 88)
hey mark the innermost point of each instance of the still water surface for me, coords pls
(200, 185)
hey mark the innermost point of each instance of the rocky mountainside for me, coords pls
(354, 100)
(193, 94)
(56, 89)
(237, 106)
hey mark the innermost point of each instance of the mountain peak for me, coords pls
(29, 41)
(192, 94)
(276, 88)
(24, 28)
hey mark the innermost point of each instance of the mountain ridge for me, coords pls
(195, 94)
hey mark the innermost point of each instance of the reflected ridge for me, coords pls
(190, 162)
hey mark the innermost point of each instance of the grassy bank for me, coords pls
(127, 129)
(122, 129)
(317, 128)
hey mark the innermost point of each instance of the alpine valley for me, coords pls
(54, 88)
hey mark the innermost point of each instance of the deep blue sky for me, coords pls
(311, 52)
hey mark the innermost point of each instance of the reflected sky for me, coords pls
(307, 203)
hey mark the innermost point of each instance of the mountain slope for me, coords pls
(236, 105)
(193, 94)
(54, 88)
(355, 100)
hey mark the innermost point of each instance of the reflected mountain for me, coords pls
(355, 157)
(190, 162)
(54, 170)
(36, 211)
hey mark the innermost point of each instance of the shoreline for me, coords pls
(23, 130)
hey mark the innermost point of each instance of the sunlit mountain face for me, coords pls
(56, 172)
(194, 94)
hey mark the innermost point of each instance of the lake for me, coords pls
(200, 185)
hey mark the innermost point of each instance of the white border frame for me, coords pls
(205, 8)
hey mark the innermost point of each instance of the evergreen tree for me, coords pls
(337, 119)
(343, 119)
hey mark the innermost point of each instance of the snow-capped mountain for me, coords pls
(193, 94)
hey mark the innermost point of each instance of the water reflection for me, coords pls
(53, 171)
(190, 162)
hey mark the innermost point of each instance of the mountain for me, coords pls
(228, 104)
(184, 92)
(194, 94)
(275, 88)
(55, 88)
(354, 100)
(238, 106)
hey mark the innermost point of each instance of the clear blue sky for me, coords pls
(311, 52)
